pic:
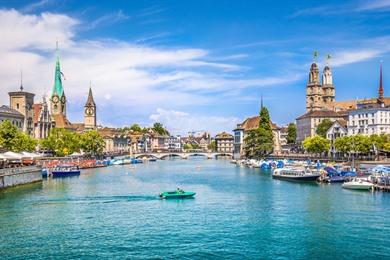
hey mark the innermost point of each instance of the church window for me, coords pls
(17, 105)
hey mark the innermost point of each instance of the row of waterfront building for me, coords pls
(349, 117)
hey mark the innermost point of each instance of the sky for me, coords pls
(192, 65)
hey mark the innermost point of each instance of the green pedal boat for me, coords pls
(177, 194)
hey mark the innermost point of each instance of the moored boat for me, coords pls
(65, 170)
(296, 174)
(358, 184)
(177, 194)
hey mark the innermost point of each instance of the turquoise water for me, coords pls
(238, 213)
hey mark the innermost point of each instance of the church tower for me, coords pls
(90, 112)
(327, 86)
(314, 90)
(381, 91)
(23, 102)
(58, 98)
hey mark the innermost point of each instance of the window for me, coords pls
(17, 105)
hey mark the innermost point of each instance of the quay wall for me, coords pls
(18, 176)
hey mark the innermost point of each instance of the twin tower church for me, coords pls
(37, 119)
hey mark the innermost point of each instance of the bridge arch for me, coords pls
(163, 156)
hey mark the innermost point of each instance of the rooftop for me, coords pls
(10, 111)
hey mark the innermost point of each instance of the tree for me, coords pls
(379, 140)
(323, 127)
(62, 142)
(386, 146)
(342, 144)
(92, 142)
(316, 144)
(212, 146)
(291, 133)
(259, 141)
(14, 140)
(159, 128)
(250, 141)
(265, 142)
(136, 128)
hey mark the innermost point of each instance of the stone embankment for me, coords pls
(21, 175)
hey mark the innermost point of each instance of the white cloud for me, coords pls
(182, 122)
(381, 5)
(125, 77)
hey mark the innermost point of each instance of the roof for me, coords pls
(342, 122)
(79, 127)
(321, 113)
(223, 135)
(37, 111)
(90, 101)
(253, 123)
(10, 111)
(352, 104)
(58, 88)
(61, 121)
(111, 132)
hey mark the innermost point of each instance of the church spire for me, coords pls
(21, 80)
(58, 88)
(90, 101)
(380, 90)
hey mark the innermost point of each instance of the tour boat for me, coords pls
(65, 170)
(358, 184)
(177, 194)
(296, 174)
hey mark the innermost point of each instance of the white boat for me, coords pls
(296, 174)
(357, 184)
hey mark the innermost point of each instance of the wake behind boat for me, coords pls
(177, 194)
(296, 174)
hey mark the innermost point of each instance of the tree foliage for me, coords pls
(323, 127)
(92, 142)
(14, 140)
(136, 128)
(259, 141)
(316, 144)
(291, 133)
(360, 144)
(64, 142)
(160, 129)
(212, 146)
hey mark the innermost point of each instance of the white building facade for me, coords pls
(369, 121)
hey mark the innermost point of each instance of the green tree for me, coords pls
(386, 146)
(136, 128)
(259, 141)
(291, 133)
(360, 144)
(342, 144)
(316, 144)
(323, 127)
(265, 140)
(159, 128)
(379, 140)
(14, 140)
(250, 141)
(62, 142)
(212, 146)
(24, 142)
(92, 142)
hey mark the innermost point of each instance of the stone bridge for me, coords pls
(181, 155)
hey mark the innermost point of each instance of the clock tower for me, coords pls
(58, 98)
(90, 112)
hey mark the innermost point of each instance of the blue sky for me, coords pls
(193, 65)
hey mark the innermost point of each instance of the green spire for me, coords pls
(57, 88)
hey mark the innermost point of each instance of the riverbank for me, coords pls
(11, 177)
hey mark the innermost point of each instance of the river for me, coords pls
(238, 213)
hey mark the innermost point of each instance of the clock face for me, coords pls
(55, 99)
(63, 100)
(89, 111)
